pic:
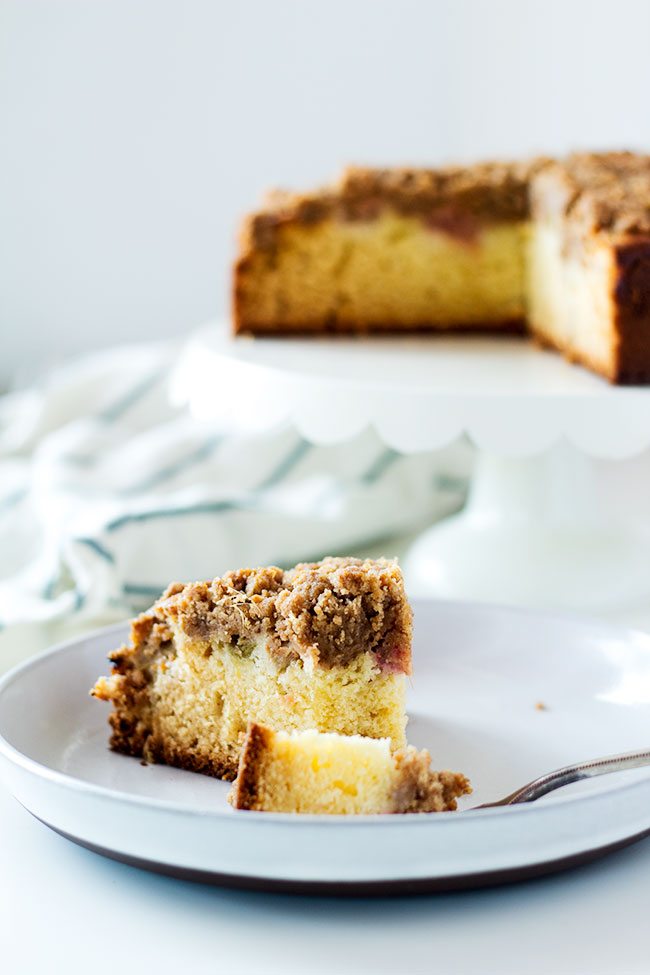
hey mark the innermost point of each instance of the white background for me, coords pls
(134, 132)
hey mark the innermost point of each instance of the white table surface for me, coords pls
(63, 909)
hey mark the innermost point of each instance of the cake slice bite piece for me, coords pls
(323, 646)
(312, 772)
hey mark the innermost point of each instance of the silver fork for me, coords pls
(571, 773)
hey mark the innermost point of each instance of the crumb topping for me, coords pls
(598, 192)
(326, 612)
(420, 789)
(444, 197)
(497, 190)
(601, 191)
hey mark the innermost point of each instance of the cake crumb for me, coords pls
(540, 706)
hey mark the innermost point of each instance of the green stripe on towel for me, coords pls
(121, 406)
(11, 500)
(138, 589)
(286, 465)
(178, 467)
(380, 465)
(97, 547)
(202, 508)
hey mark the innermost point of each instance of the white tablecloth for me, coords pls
(108, 492)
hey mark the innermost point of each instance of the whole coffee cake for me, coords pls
(559, 248)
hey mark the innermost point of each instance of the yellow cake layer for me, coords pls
(203, 699)
(390, 272)
(325, 773)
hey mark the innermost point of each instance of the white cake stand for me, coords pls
(550, 520)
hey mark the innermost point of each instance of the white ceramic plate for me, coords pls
(479, 675)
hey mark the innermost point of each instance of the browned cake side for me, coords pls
(590, 262)
(324, 645)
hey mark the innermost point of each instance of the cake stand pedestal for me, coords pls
(550, 520)
(539, 531)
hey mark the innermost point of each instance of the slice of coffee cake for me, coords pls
(324, 646)
(308, 772)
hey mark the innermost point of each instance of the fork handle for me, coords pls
(572, 773)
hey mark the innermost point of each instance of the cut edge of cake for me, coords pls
(357, 257)
(321, 773)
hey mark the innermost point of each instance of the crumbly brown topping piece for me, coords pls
(486, 192)
(492, 190)
(327, 612)
(598, 192)
(422, 790)
(601, 191)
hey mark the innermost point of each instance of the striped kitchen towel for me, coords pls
(108, 491)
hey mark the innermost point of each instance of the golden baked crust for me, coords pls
(245, 790)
